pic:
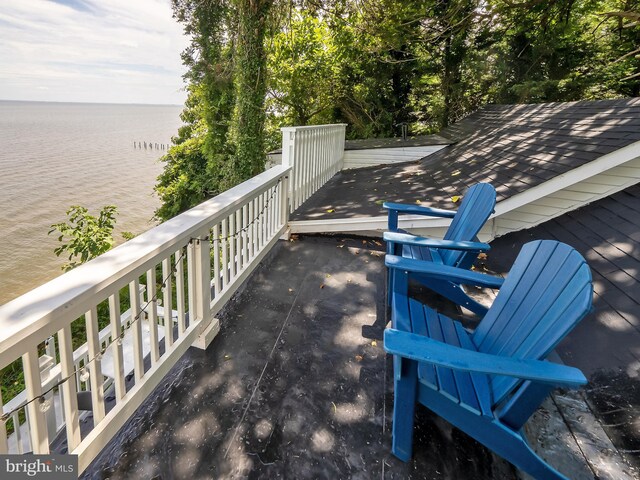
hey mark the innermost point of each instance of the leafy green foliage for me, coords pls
(85, 236)
(255, 66)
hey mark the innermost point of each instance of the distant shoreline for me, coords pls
(94, 103)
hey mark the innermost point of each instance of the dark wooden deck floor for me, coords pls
(296, 385)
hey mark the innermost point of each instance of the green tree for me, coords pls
(304, 68)
(85, 236)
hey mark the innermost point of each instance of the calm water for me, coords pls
(54, 155)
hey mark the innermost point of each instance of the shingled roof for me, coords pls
(514, 147)
(606, 344)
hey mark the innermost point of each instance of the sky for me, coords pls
(105, 51)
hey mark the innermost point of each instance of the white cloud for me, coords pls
(124, 51)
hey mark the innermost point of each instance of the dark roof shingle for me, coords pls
(514, 147)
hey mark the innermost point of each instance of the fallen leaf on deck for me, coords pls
(377, 243)
(482, 256)
(374, 343)
(328, 275)
(359, 358)
(290, 290)
(364, 242)
(379, 202)
(456, 173)
(418, 202)
(340, 246)
(456, 198)
(331, 210)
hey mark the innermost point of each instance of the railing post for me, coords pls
(341, 144)
(288, 160)
(209, 327)
(284, 201)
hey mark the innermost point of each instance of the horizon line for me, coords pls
(95, 103)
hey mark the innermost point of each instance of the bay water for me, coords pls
(54, 155)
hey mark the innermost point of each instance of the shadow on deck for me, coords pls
(296, 385)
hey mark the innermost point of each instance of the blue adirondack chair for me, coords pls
(460, 246)
(490, 381)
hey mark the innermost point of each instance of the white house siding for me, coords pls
(569, 198)
(382, 156)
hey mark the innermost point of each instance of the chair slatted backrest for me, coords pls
(546, 293)
(476, 207)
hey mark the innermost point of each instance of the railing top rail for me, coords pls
(307, 127)
(43, 310)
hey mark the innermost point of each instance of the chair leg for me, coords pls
(404, 406)
(527, 460)
(504, 441)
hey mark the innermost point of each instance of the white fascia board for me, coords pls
(602, 164)
(360, 224)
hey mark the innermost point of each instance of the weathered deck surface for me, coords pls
(296, 385)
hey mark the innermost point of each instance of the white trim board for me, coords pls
(370, 157)
(600, 178)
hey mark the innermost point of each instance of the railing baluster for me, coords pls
(15, 417)
(202, 281)
(284, 195)
(297, 169)
(307, 164)
(136, 318)
(168, 304)
(115, 322)
(251, 233)
(153, 315)
(274, 211)
(225, 252)
(4, 446)
(216, 259)
(260, 225)
(180, 292)
(267, 217)
(238, 240)
(319, 162)
(191, 282)
(68, 388)
(37, 423)
(95, 365)
(245, 234)
(232, 245)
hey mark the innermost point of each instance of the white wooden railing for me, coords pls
(315, 154)
(193, 262)
(177, 275)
